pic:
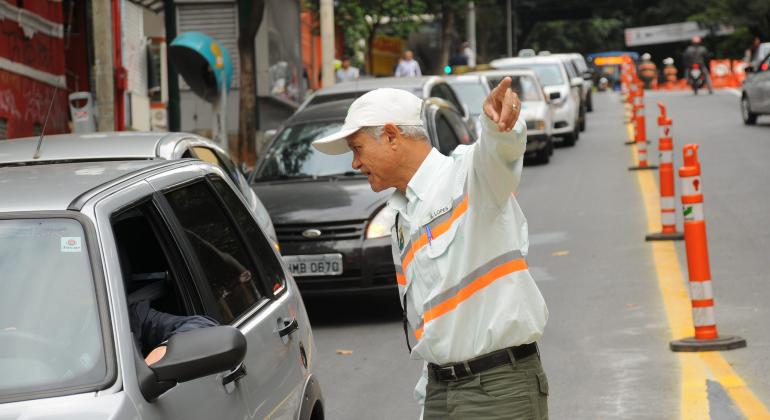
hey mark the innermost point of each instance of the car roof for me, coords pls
(511, 61)
(464, 78)
(326, 111)
(90, 147)
(509, 72)
(365, 85)
(55, 186)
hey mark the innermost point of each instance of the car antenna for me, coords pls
(42, 132)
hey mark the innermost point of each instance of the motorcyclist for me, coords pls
(648, 71)
(669, 72)
(696, 53)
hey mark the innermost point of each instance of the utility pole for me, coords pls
(327, 42)
(515, 28)
(471, 29)
(103, 71)
(509, 42)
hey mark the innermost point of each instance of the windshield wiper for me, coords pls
(283, 177)
(347, 174)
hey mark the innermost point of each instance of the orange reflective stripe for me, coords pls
(418, 333)
(401, 279)
(481, 282)
(437, 231)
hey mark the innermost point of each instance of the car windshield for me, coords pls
(472, 93)
(549, 74)
(50, 336)
(524, 86)
(291, 155)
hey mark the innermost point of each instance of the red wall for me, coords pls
(24, 101)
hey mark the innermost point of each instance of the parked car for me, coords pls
(576, 78)
(134, 146)
(82, 242)
(588, 78)
(553, 76)
(755, 93)
(535, 109)
(334, 231)
(423, 87)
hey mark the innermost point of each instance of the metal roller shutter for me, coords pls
(219, 21)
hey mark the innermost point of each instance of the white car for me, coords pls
(552, 73)
(535, 108)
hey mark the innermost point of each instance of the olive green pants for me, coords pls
(513, 391)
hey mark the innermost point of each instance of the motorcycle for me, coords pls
(696, 78)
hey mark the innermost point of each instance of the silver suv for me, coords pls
(94, 254)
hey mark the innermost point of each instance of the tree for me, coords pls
(250, 13)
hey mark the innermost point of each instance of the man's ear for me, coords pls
(392, 134)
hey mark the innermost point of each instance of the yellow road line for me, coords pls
(695, 368)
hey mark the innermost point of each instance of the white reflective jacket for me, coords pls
(459, 246)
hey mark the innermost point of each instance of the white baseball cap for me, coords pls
(375, 108)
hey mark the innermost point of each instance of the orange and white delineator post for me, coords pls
(701, 295)
(666, 176)
(640, 134)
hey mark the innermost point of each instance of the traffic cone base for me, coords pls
(692, 344)
(667, 236)
(641, 168)
(631, 142)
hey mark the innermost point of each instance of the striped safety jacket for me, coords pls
(459, 245)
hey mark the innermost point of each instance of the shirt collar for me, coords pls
(422, 180)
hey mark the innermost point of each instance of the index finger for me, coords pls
(499, 90)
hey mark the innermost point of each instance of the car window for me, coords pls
(447, 136)
(472, 93)
(443, 91)
(272, 271)
(550, 74)
(50, 330)
(292, 155)
(524, 86)
(229, 271)
(215, 158)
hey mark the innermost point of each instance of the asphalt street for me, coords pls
(605, 349)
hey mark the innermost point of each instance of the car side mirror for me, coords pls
(554, 95)
(192, 355)
(269, 134)
(588, 74)
(576, 82)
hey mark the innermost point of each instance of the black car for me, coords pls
(333, 230)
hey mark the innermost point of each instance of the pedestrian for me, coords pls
(459, 58)
(669, 72)
(459, 238)
(468, 51)
(346, 72)
(408, 66)
(750, 56)
(648, 71)
(696, 53)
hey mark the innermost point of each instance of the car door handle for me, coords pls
(234, 375)
(289, 326)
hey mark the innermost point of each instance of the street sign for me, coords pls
(674, 32)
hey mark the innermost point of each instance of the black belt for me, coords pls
(480, 364)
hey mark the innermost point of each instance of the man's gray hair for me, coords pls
(416, 132)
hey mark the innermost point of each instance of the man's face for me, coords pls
(345, 64)
(408, 55)
(375, 158)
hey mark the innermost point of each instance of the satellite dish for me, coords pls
(205, 65)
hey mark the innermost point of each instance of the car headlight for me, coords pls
(381, 223)
(535, 125)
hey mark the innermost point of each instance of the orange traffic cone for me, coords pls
(666, 177)
(706, 337)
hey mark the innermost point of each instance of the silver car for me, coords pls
(135, 145)
(82, 243)
(755, 95)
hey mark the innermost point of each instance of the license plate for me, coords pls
(314, 265)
